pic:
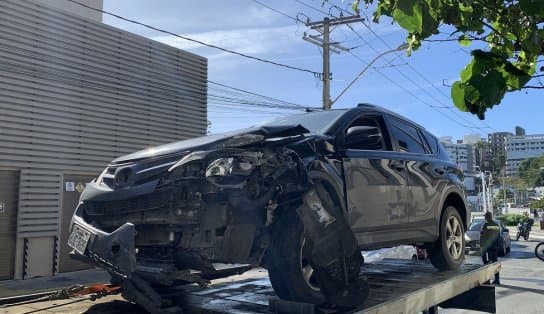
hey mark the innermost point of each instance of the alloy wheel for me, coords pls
(454, 237)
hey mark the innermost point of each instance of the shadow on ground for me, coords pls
(114, 307)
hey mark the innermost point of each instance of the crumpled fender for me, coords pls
(335, 254)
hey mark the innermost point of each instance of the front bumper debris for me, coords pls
(114, 251)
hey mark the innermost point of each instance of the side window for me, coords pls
(407, 137)
(367, 133)
(432, 141)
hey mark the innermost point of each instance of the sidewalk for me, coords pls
(9, 288)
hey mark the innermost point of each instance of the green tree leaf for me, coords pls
(512, 31)
(458, 96)
(464, 41)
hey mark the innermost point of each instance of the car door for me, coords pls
(375, 181)
(425, 178)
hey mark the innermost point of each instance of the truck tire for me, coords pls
(448, 252)
(289, 269)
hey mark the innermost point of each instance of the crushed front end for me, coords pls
(168, 219)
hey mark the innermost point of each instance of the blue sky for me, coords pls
(406, 85)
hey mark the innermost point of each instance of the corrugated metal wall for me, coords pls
(74, 94)
(9, 188)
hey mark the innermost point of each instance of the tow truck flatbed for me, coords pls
(396, 286)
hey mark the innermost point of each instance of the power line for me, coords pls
(296, 19)
(197, 41)
(256, 94)
(399, 71)
(450, 108)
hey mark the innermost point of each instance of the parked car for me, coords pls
(472, 237)
(301, 195)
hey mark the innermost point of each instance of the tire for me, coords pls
(287, 263)
(539, 251)
(448, 251)
(502, 251)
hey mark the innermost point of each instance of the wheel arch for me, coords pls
(455, 199)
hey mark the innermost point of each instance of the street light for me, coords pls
(401, 47)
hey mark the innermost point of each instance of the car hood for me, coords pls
(229, 139)
(473, 235)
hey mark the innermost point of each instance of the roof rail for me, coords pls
(366, 105)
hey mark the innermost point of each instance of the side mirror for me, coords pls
(369, 134)
(362, 132)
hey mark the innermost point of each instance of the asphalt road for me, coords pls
(522, 281)
(522, 290)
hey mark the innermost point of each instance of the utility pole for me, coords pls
(326, 65)
(323, 27)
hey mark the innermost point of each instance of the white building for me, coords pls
(459, 153)
(519, 148)
(472, 139)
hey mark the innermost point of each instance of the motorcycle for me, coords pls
(539, 251)
(523, 230)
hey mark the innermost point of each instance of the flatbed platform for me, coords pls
(396, 286)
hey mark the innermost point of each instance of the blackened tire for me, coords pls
(448, 252)
(287, 263)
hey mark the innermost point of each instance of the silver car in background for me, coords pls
(472, 237)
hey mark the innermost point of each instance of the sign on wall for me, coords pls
(70, 186)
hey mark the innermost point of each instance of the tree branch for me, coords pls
(533, 87)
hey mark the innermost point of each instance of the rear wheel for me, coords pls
(448, 251)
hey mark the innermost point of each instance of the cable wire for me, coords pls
(197, 41)
(296, 19)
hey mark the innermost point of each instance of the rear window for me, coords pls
(431, 141)
(476, 226)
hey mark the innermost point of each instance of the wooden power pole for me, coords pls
(323, 40)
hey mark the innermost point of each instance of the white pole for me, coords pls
(484, 191)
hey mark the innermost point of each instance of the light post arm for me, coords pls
(401, 47)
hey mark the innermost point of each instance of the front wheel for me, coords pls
(448, 251)
(539, 251)
(518, 235)
(289, 268)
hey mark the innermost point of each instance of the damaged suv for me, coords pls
(301, 195)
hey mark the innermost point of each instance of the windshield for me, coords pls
(476, 226)
(316, 122)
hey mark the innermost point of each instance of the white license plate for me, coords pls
(78, 239)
